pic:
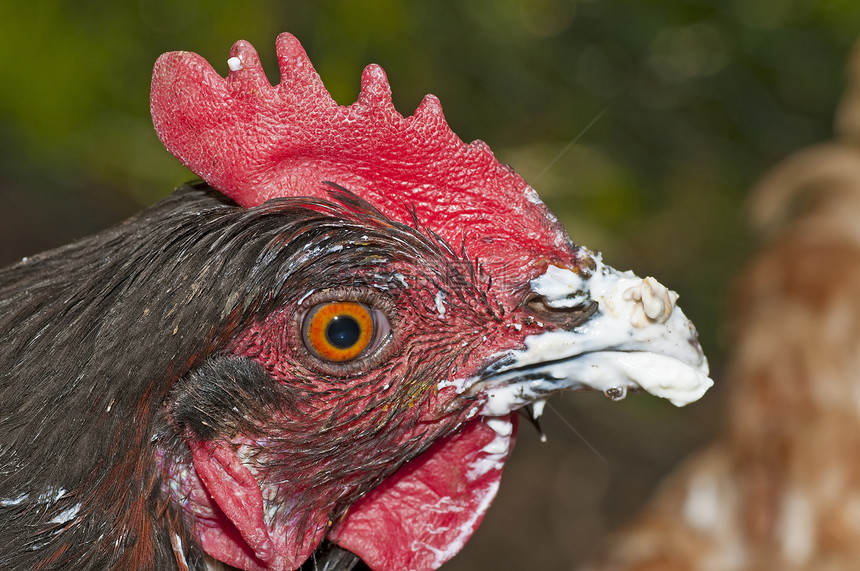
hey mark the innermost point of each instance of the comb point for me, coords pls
(182, 81)
(375, 90)
(245, 67)
(430, 108)
(293, 61)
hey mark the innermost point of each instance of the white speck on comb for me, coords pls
(234, 63)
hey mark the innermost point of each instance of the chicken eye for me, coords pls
(342, 330)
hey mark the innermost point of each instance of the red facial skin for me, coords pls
(265, 503)
(369, 422)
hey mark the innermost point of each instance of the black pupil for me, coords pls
(343, 331)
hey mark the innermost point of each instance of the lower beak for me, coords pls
(636, 339)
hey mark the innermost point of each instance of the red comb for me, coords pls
(254, 141)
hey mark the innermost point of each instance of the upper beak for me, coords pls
(624, 333)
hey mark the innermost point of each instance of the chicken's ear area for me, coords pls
(423, 515)
(239, 536)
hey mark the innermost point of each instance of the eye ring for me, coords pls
(367, 350)
(339, 331)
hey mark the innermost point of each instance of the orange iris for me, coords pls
(339, 331)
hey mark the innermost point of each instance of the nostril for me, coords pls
(538, 307)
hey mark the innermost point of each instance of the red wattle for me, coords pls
(423, 515)
(239, 534)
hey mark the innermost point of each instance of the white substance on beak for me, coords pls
(501, 426)
(656, 302)
(638, 338)
(537, 408)
(561, 287)
(662, 376)
(234, 63)
(499, 445)
(504, 398)
(496, 451)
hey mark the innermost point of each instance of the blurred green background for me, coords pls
(643, 125)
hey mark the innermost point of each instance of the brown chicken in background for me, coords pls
(781, 488)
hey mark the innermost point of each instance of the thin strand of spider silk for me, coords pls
(569, 145)
(578, 434)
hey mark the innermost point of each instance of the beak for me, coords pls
(633, 337)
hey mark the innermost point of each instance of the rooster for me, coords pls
(317, 353)
(779, 488)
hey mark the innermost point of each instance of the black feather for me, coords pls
(112, 346)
